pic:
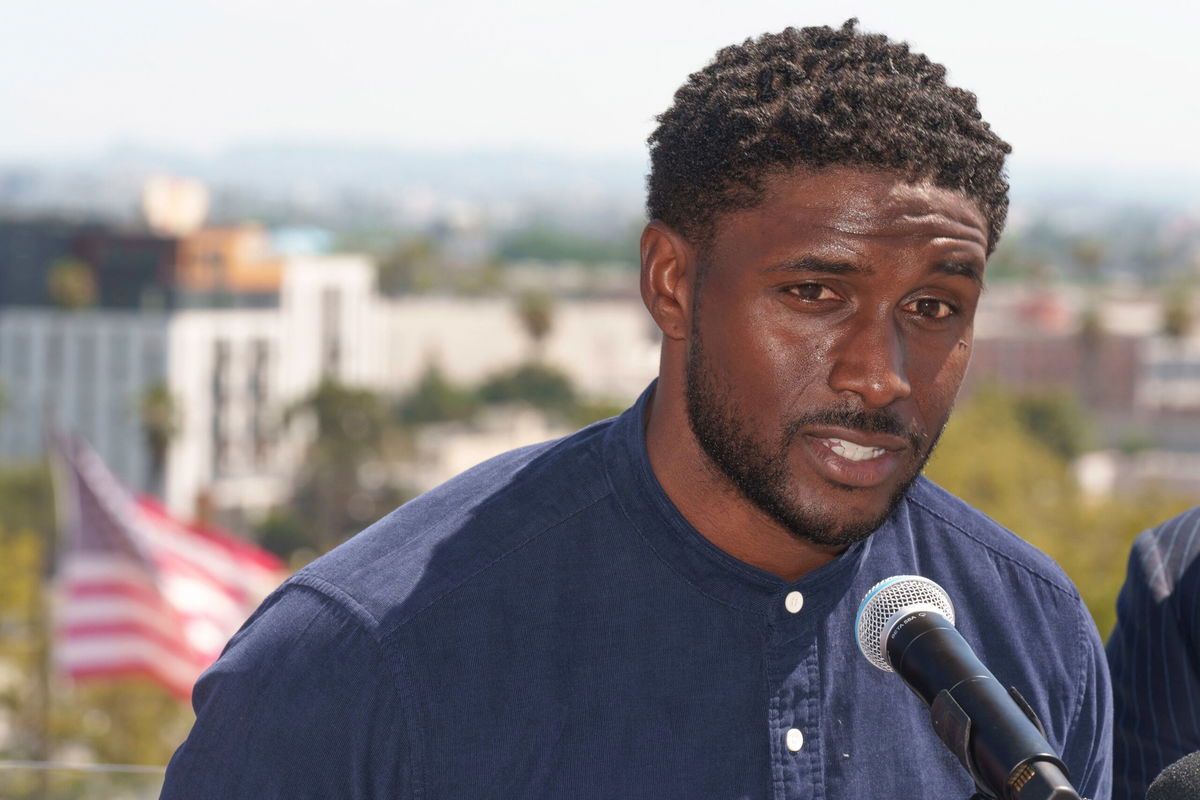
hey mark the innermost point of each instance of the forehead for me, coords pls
(854, 206)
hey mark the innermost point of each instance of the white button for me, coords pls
(793, 603)
(795, 740)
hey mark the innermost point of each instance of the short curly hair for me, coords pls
(817, 97)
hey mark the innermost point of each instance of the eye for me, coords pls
(931, 308)
(812, 292)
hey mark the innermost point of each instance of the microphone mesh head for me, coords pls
(888, 598)
(1179, 781)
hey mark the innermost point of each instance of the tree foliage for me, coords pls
(536, 312)
(436, 399)
(160, 418)
(1004, 461)
(1178, 318)
(1057, 419)
(72, 284)
(546, 242)
(532, 384)
(331, 499)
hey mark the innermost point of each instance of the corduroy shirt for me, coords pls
(548, 625)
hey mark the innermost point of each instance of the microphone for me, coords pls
(1179, 781)
(905, 625)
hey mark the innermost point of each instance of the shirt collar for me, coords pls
(711, 570)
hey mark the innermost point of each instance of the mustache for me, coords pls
(881, 420)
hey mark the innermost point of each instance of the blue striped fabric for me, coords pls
(1154, 657)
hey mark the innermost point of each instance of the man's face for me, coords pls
(831, 331)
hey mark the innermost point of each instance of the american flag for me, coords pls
(138, 591)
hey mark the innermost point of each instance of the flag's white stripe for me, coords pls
(115, 611)
(120, 650)
(241, 573)
(192, 595)
(90, 567)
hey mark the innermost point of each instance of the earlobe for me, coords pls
(668, 273)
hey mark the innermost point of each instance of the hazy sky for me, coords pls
(1113, 83)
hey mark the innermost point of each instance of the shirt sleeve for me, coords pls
(1153, 659)
(302, 704)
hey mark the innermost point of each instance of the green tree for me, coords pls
(72, 284)
(536, 312)
(543, 241)
(532, 384)
(412, 265)
(436, 399)
(1178, 316)
(990, 457)
(1056, 419)
(351, 429)
(160, 419)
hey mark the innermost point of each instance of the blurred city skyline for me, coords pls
(1109, 88)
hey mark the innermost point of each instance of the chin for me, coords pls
(838, 521)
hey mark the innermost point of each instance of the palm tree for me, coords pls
(350, 428)
(536, 312)
(159, 415)
(1178, 316)
(72, 284)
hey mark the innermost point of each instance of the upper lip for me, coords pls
(859, 437)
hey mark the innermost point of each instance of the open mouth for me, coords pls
(853, 452)
(873, 460)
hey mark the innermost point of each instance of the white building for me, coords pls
(608, 348)
(231, 372)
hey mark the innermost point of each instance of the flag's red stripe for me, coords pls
(79, 589)
(99, 630)
(241, 551)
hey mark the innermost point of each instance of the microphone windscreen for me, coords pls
(1179, 781)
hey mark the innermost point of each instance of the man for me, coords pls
(1154, 654)
(660, 606)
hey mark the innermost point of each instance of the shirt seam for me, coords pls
(1072, 595)
(1077, 711)
(403, 684)
(679, 573)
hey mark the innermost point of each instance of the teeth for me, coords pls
(854, 452)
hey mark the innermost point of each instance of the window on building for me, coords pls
(331, 332)
(260, 396)
(220, 407)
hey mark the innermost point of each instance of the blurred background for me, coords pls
(284, 266)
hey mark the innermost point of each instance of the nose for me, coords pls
(869, 361)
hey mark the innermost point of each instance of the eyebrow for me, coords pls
(820, 266)
(964, 268)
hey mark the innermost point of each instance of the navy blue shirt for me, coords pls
(547, 625)
(1155, 657)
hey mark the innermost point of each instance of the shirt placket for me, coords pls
(794, 713)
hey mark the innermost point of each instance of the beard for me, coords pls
(760, 471)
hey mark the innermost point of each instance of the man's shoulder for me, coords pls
(965, 535)
(433, 544)
(1164, 554)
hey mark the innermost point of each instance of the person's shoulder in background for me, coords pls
(1153, 654)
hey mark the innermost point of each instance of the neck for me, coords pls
(711, 503)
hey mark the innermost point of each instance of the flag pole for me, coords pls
(43, 588)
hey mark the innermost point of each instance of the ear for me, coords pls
(668, 278)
